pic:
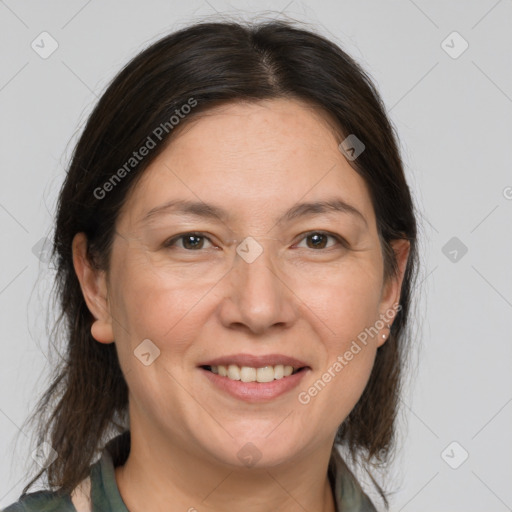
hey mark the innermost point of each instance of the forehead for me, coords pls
(259, 125)
(252, 157)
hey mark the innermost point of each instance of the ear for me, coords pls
(93, 283)
(390, 297)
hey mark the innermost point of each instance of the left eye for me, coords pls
(319, 239)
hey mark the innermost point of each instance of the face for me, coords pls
(248, 267)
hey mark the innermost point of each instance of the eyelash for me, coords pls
(169, 243)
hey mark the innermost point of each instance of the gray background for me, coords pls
(453, 116)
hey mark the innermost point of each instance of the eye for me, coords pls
(194, 241)
(190, 241)
(319, 239)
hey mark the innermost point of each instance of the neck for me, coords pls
(160, 475)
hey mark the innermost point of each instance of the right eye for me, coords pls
(190, 241)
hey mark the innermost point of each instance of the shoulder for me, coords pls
(100, 484)
(348, 493)
(42, 501)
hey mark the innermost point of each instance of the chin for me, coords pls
(257, 451)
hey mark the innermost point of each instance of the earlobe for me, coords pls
(94, 289)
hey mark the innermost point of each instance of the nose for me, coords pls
(258, 298)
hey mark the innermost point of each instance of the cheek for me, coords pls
(155, 304)
(348, 308)
(332, 392)
(164, 310)
(346, 299)
(354, 344)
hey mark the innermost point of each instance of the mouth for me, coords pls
(262, 374)
(254, 378)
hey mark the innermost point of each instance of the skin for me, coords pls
(256, 160)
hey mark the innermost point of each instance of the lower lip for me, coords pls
(255, 391)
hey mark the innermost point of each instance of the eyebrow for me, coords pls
(210, 211)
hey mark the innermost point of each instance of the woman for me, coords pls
(236, 249)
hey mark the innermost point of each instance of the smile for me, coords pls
(251, 374)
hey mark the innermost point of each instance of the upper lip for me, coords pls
(253, 361)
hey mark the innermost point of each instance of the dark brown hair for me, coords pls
(212, 63)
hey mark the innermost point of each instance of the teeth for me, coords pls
(234, 372)
(278, 371)
(265, 374)
(248, 374)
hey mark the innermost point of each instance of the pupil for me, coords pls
(318, 238)
(193, 245)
